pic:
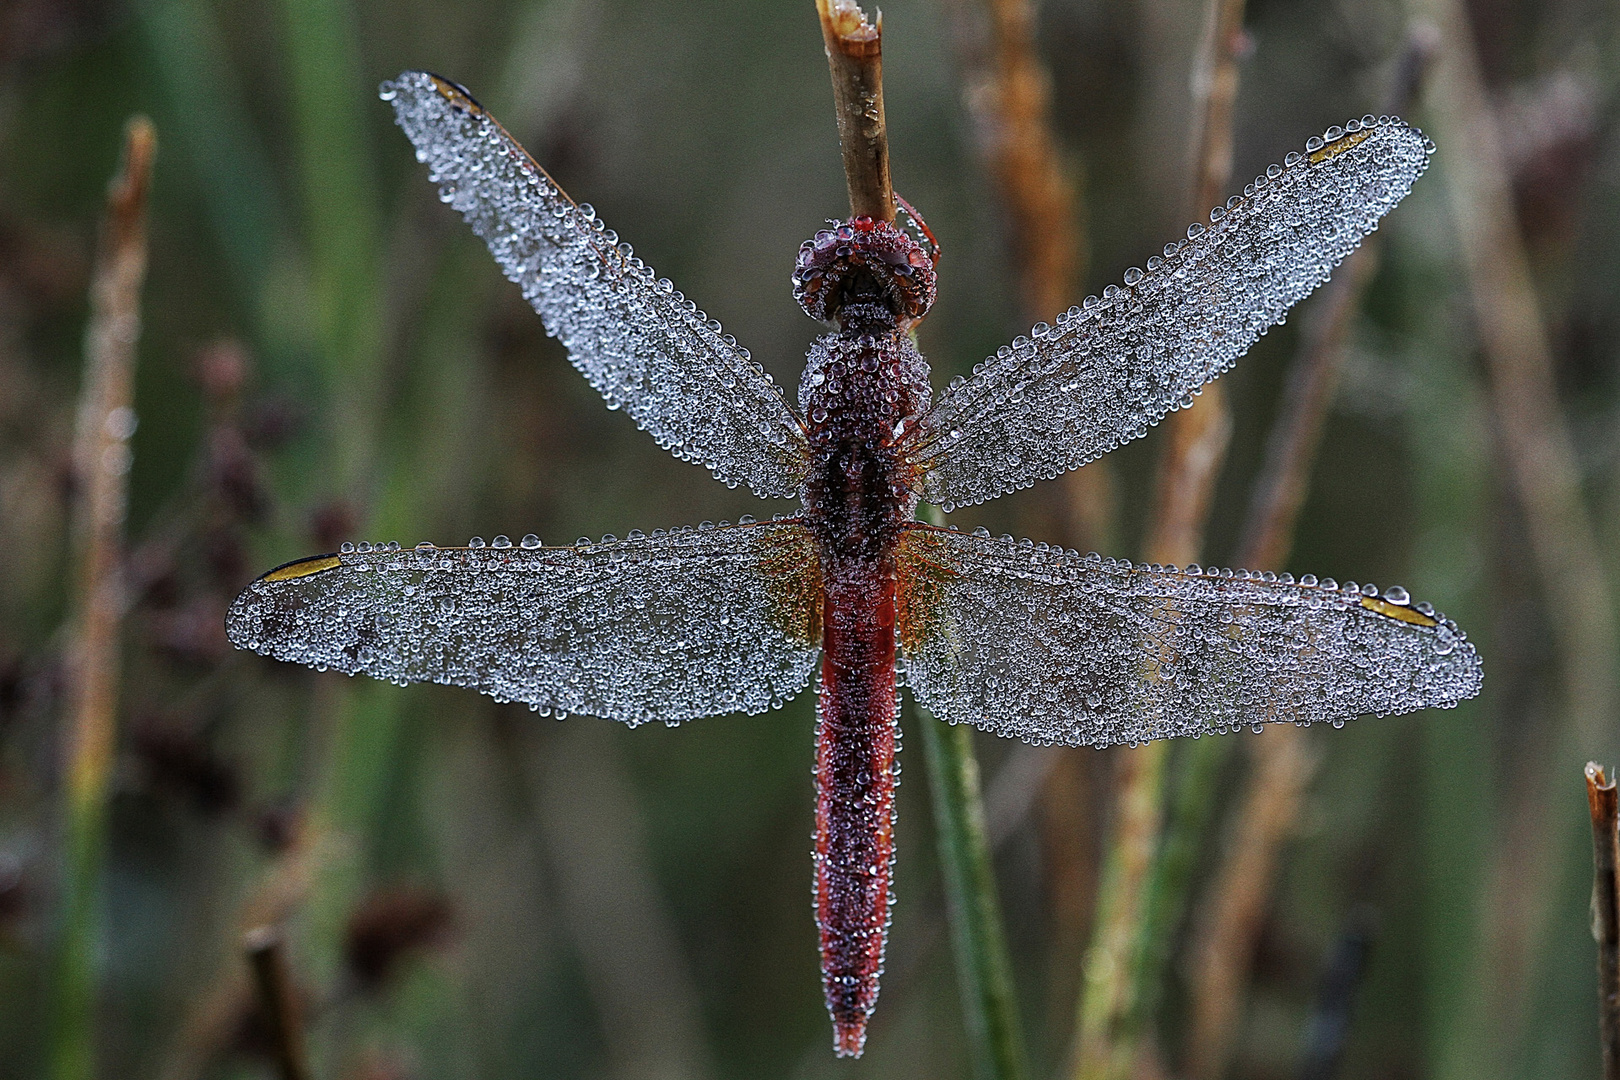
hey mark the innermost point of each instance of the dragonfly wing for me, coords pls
(644, 346)
(1053, 647)
(669, 627)
(1103, 374)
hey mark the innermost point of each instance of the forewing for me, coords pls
(669, 627)
(643, 345)
(1053, 647)
(1106, 372)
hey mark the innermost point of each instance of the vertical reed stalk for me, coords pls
(983, 970)
(1282, 767)
(855, 57)
(1545, 472)
(341, 225)
(278, 1000)
(1605, 808)
(101, 459)
(1108, 1024)
(209, 124)
(1010, 90)
(359, 724)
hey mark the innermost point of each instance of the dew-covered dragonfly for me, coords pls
(1018, 638)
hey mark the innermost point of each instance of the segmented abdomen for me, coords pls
(856, 740)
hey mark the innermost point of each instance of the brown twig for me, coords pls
(278, 1001)
(1282, 769)
(1105, 1047)
(855, 56)
(1224, 948)
(1037, 186)
(1605, 806)
(1198, 435)
(215, 1014)
(101, 460)
(1009, 91)
(1542, 464)
(1313, 379)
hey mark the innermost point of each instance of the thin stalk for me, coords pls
(341, 225)
(101, 458)
(214, 1014)
(278, 1001)
(855, 57)
(1108, 1022)
(1546, 477)
(1038, 187)
(207, 113)
(357, 752)
(1198, 435)
(984, 973)
(1282, 766)
(1010, 91)
(1106, 1035)
(978, 936)
(1605, 808)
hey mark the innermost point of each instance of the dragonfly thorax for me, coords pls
(864, 391)
(861, 262)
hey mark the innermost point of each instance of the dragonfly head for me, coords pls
(862, 261)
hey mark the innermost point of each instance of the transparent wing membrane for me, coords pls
(1106, 372)
(1049, 646)
(641, 344)
(695, 622)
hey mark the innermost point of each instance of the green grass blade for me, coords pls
(977, 936)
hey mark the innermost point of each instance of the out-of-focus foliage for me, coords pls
(328, 355)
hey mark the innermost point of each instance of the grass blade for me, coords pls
(101, 460)
(977, 937)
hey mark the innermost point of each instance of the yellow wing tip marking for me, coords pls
(455, 93)
(1398, 611)
(303, 568)
(1339, 146)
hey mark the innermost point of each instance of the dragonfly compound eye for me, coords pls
(863, 259)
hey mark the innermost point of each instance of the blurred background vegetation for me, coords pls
(469, 891)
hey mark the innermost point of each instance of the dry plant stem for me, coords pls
(278, 1002)
(1283, 764)
(1546, 477)
(1104, 1048)
(855, 56)
(1285, 474)
(1039, 191)
(1012, 92)
(1198, 435)
(101, 463)
(215, 1014)
(1105, 1035)
(1282, 769)
(1605, 807)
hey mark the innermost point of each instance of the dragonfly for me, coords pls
(1020, 639)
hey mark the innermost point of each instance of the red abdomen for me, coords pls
(856, 739)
